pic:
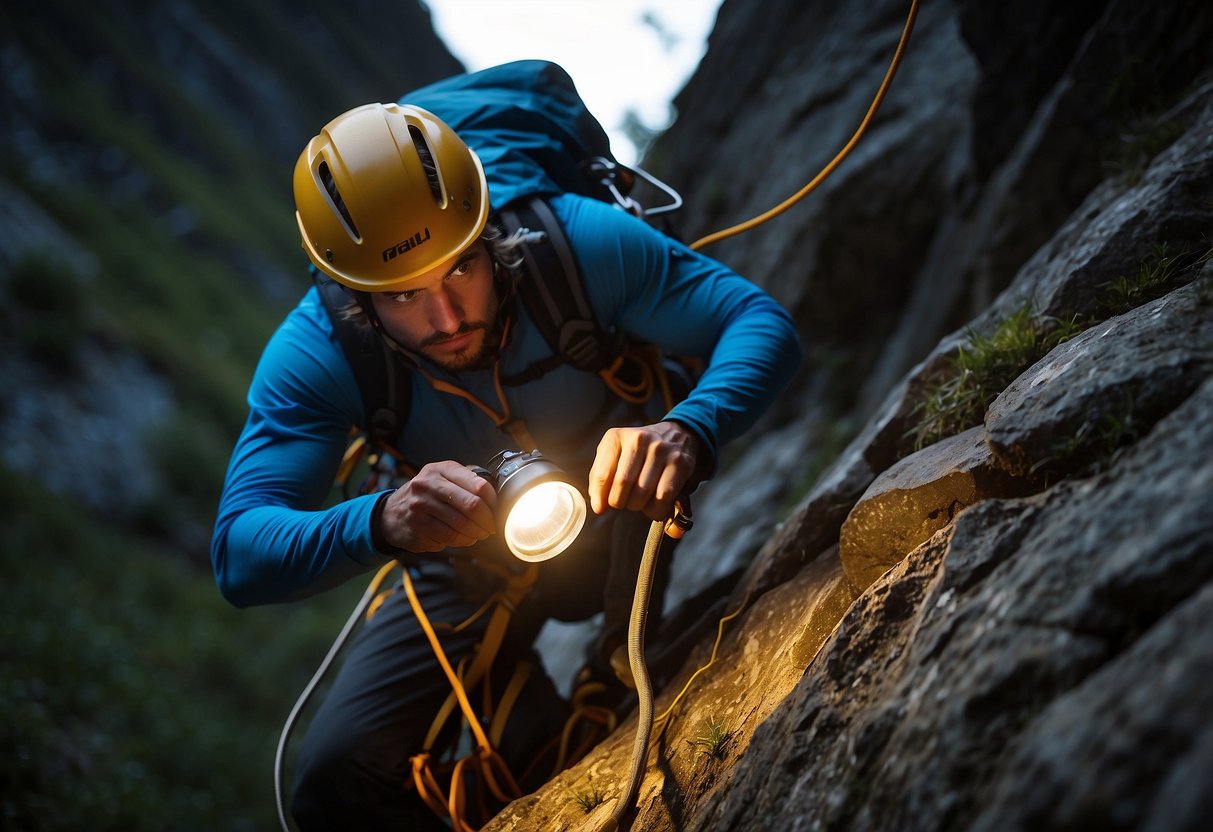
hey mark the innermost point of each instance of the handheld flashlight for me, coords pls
(539, 510)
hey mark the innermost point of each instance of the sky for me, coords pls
(622, 54)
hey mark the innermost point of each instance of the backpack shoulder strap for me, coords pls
(383, 379)
(551, 287)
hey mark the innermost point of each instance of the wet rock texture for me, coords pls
(1007, 629)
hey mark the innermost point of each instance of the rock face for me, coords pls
(1036, 664)
(1004, 629)
(917, 497)
(1099, 387)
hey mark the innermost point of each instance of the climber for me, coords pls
(395, 208)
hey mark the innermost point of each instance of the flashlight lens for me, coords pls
(544, 521)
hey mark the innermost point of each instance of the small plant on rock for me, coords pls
(712, 739)
(1167, 269)
(1094, 444)
(982, 368)
(587, 799)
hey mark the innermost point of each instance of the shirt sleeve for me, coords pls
(648, 285)
(273, 540)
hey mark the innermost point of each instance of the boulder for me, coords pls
(917, 497)
(1105, 387)
(770, 644)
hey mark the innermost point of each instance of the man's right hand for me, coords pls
(445, 506)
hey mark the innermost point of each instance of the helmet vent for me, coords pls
(330, 187)
(427, 163)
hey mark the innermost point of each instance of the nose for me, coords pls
(445, 312)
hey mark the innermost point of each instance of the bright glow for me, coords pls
(623, 55)
(544, 521)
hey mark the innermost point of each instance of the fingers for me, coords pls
(602, 472)
(445, 506)
(642, 469)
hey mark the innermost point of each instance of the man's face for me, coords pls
(447, 314)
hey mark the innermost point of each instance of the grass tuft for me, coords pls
(984, 367)
(1095, 444)
(1166, 269)
(587, 799)
(712, 739)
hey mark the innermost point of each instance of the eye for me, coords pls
(464, 267)
(407, 296)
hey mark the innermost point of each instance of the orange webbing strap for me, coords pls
(650, 364)
(485, 765)
(582, 712)
(486, 652)
(427, 786)
(516, 588)
(373, 588)
(353, 455)
(516, 428)
(637, 392)
(482, 741)
(501, 715)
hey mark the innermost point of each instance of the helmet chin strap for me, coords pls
(367, 305)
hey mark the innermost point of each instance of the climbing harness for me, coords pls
(485, 765)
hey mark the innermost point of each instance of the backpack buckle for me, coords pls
(581, 343)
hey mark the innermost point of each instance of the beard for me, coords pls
(477, 355)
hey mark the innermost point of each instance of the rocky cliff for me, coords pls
(990, 611)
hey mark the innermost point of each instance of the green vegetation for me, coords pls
(986, 364)
(45, 309)
(1137, 145)
(1167, 269)
(712, 739)
(1095, 444)
(587, 799)
(134, 697)
(982, 368)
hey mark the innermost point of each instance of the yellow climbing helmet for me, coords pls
(384, 194)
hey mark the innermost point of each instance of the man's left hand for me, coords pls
(643, 469)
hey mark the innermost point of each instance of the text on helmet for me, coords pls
(407, 244)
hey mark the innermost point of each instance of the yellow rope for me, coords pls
(774, 212)
(711, 661)
(836, 161)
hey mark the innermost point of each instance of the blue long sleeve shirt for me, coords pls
(273, 541)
